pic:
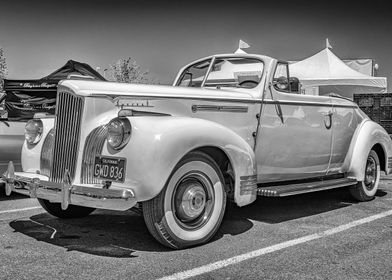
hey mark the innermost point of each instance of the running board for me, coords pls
(293, 189)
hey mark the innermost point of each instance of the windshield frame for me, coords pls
(212, 60)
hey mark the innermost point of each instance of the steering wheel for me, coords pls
(248, 84)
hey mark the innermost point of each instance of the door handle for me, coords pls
(328, 119)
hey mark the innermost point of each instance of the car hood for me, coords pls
(111, 89)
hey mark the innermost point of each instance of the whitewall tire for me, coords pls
(366, 189)
(190, 208)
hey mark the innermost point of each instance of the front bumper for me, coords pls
(66, 193)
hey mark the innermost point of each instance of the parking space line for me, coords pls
(263, 251)
(20, 209)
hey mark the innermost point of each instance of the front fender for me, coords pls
(31, 154)
(157, 144)
(368, 135)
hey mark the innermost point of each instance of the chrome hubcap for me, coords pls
(370, 173)
(193, 201)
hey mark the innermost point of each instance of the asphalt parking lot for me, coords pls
(324, 235)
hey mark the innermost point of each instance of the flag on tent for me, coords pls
(242, 45)
(327, 44)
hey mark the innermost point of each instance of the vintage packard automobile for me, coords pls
(231, 127)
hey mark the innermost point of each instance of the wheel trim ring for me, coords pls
(193, 235)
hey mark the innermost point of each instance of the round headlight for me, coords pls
(119, 132)
(33, 131)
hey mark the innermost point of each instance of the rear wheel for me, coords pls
(366, 189)
(190, 208)
(73, 211)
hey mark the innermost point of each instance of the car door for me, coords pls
(294, 137)
(344, 124)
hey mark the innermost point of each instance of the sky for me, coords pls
(38, 37)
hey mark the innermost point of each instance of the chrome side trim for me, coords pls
(266, 192)
(46, 160)
(300, 188)
(248, 184)
(92, 148)
(354, 106)
(215, 108)
(115, 98)
(306, 103)
(136, 113)
(389, 162)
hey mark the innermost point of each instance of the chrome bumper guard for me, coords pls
(88, 195)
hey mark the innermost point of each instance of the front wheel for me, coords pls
(190, 208)
(73, 211)
(366, 189)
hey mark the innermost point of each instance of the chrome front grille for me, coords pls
(69, 113)
(47, 154)
(92, 148)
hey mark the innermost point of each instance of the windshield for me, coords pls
(194, 75)
(225, 72)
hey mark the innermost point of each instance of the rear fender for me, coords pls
(368, 135)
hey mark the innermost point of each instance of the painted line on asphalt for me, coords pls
(20, 209)
(263, 251)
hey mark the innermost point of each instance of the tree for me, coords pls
(128, 71)
(3, 69)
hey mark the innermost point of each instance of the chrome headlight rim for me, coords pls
(126, 128)
(39, 129)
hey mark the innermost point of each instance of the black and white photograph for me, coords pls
(205, 140)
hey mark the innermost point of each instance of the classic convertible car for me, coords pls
(231, 127)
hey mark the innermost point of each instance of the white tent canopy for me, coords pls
(326, 72)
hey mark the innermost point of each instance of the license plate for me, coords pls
(110, 168)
